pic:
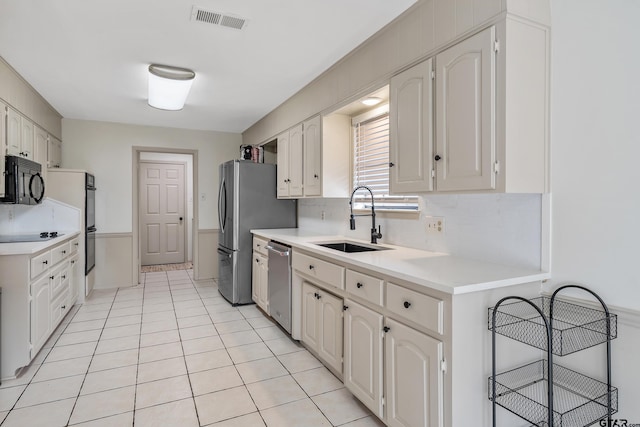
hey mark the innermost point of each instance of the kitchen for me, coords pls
(591, 231)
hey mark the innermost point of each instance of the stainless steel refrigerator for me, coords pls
(246, 200)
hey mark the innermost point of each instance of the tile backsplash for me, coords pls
(500, 228)
(50, 215)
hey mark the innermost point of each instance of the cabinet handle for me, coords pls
(64, 252)
(315, 175)
(257, 260)
(45, 262)
(76, 244)
(391, 164)
(319, 296)
(386, 329)
(52, 277)
(64, 307)
(64, 277)
(359, 285)
(437, 157)
(311, 267)
(407, 304)
(345, 307)
(73, 262)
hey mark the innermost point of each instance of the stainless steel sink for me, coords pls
(350, 247)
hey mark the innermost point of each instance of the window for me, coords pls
(371, 162)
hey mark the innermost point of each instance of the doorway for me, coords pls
(165, 212)
(163, 208)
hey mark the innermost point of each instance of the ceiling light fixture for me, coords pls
(372, 100)
(169, 86)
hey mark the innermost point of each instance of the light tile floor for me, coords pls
(173, 352)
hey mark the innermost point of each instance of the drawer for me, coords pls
(74, 244)
(364, 286)
(40, 263)
(324, 271)
(59, 253)
(416, 307)
(260, 245)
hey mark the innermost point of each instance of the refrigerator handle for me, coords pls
(222, 196)
(221, 252)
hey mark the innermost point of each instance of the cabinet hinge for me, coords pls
(443, 365)
(433, 75)
(382, 400)
(433, 173)
(496, 45)
(496, 167)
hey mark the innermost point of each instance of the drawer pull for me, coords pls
(64, 277)
(52, 277)
(359, 285)
(311, 267)
(386, 329)
(64, 252)
(345, 307)
(45, 262)
(257, 260)
(407, 304)
(64, 307)
(76, 244)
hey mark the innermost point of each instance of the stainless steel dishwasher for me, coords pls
(280, 283)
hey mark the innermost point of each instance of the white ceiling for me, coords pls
(89, 58)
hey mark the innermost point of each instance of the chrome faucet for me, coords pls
(375, 234)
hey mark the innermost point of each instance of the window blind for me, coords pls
(371, 165)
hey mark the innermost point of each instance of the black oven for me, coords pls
(90, 223)
(23, 182)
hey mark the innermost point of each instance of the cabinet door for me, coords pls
(363, 355)
(255, 277)
(75, 277)
(411, 130)
(263, 286)
(40, 315)
(295, 161)
(54, 155)
(312, 157)
(310, 328)
(3, 144)
(283, 165)
(465, 111)
(331, 327)
(14, 132)
(27, 138)
(414, 389)
(41, 142)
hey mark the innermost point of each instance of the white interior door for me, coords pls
(162, 208)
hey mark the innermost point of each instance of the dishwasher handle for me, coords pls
(278, 252)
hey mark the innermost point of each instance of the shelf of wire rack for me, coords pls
(574, 327)
(578, 400)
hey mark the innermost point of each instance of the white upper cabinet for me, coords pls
(465, 110)
(20, 135)
(411, 130)
(312, 157)
(54, 155)
(3, 144)
(40, 146)
(290, 163)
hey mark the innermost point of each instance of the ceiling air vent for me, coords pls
(217, 18)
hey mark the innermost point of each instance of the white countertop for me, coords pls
(439, 271)
(29, 248)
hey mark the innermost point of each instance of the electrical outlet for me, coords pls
(323, 215)
(435, 224)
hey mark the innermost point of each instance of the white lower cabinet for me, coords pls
(408, 392)
(414, 380)
(322, 324)
(40, 300)
(260, 281)
(363, 355)
(74, 273)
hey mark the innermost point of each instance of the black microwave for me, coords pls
(23, 183)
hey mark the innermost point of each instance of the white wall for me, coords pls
(105, 149)
(595, 148)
